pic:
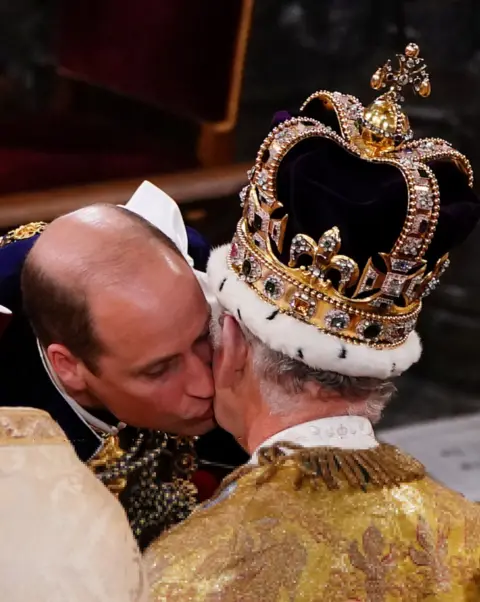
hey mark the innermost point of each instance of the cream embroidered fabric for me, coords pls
(63, 535)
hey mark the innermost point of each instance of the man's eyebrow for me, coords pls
(156, 363)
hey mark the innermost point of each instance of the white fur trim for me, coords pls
(287, 334)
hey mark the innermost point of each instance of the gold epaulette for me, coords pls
(22, 233)
(381, 466)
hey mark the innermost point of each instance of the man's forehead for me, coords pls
(100, 242)
(131, 265)
(148, 311)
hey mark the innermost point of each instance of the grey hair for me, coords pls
(282, 378)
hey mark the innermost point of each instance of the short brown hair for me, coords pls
(59, 313)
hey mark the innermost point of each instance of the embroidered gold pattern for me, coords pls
(374, 562)
(472, 533)
(433, 553)
(277, 547)
(337, 545)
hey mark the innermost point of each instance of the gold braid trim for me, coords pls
(22, 233)
(382, 466)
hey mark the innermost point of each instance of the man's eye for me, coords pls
(158, 372)
(204, 337)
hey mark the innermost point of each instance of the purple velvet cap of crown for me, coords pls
(316, 194)
(280, 117)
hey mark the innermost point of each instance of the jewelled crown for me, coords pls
(376, 304)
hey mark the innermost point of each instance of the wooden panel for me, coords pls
(185, 188)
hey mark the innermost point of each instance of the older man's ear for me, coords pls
(231, 356)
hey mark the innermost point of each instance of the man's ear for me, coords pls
(67, 367)
(232, 356)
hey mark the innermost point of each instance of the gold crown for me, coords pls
(378, 307)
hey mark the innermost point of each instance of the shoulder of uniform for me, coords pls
(22, 233)
(14, 248)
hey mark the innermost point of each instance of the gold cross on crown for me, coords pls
(412, 70)
(384, 127)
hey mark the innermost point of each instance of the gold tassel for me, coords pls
(382, 466)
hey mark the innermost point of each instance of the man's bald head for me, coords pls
(78, 256)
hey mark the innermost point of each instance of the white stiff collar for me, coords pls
(162, 211)
(344, 432)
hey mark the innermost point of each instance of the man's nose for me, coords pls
(199, 377)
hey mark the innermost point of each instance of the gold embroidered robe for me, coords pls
(324, 525)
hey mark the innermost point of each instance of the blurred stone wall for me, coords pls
(27, 29)
(298, 46)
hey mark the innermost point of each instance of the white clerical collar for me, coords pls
(344, 432)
